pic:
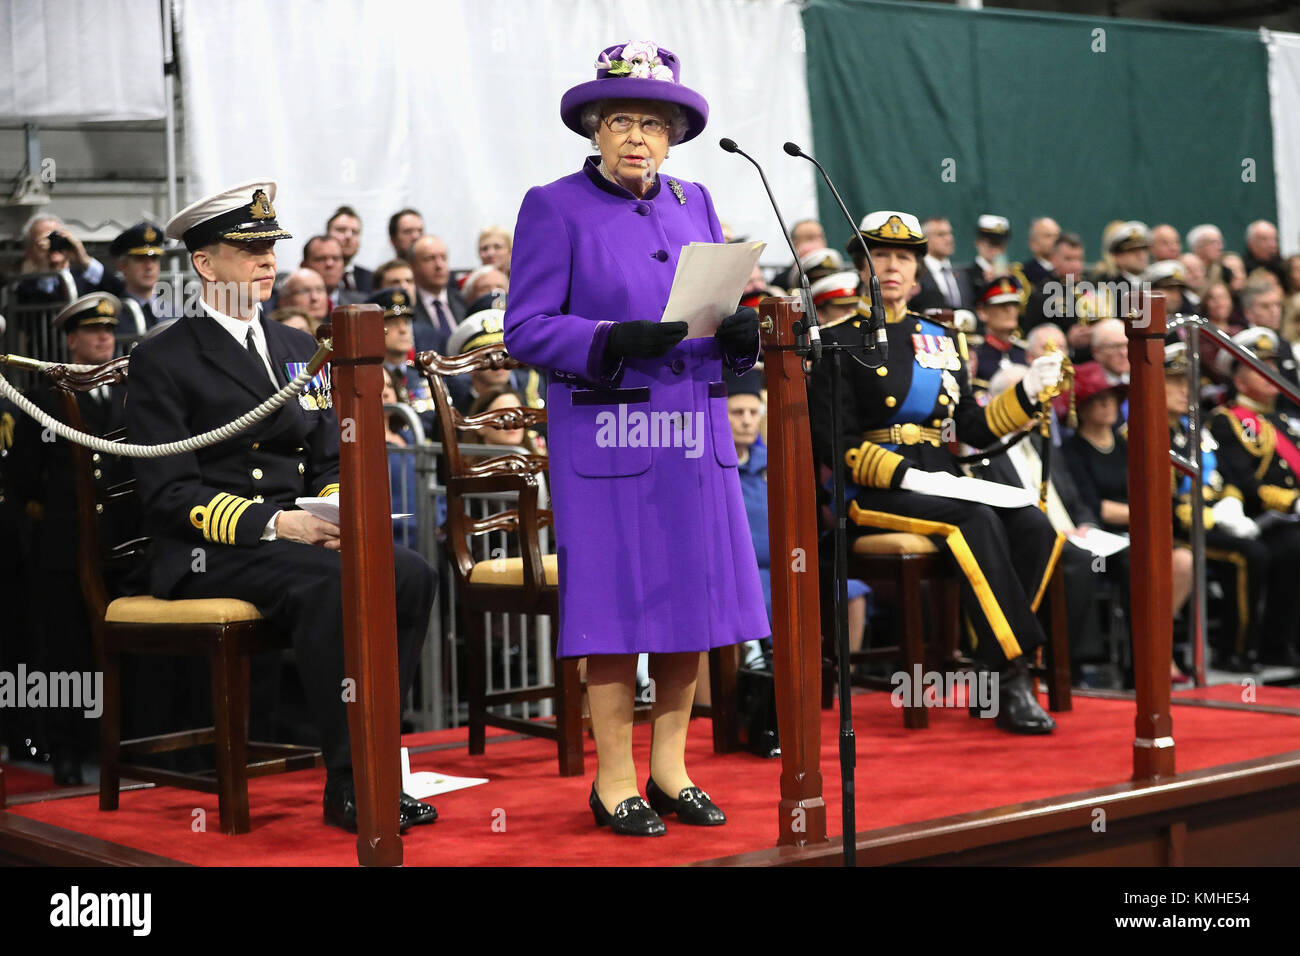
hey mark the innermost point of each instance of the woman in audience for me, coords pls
(517, 437)
(401, 463)
(1098, 459)
(494, 248)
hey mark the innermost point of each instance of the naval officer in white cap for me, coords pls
(233, 504)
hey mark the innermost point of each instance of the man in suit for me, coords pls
(223, 520)
(44, 476)
(404, 227)
(1261, 251)
(324, 254)
(439, 304)
(138, 252)
(942, 285)
(1043, 233)
(345, 226)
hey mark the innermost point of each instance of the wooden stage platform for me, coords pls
(1243, 813)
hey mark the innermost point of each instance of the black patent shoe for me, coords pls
(1018, 707)
(416, 812)
(340, 803)
(632, 817)
(692, 805)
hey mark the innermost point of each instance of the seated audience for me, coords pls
(345, 226)
(293, 317)
(305, 290)
(404, 227)
(493, 250)
(999, 310)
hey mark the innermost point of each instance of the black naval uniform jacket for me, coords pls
(191, 378)
(43, 473)
(1249, 459)
(908, 393)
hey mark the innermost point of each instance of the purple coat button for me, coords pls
(678, 366)
(642, 209)
(660, 254)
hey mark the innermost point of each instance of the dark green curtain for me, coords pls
(1029, 120)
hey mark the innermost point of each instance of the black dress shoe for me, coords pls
(1018, 707)
(415, 812)
(692, 805)
(632, 817)
(340, 804)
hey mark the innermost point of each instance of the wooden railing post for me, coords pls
(796, 616)
(369, 591)
(1150, 537)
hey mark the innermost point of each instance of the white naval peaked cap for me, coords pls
(239, 213)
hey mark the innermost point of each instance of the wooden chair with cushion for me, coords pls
(915, 571)
(226, 631)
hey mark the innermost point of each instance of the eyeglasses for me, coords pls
(621, 123)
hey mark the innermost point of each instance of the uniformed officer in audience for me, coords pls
(44, 478)
(233, 504)
(1232, 540)
(139, 253)
(897, 422)
(1259, 454)
(1129, 245)
(998, 306)
(992, 234)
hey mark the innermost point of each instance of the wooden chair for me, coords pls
(226, 631)
(908, 566)
(528, 584)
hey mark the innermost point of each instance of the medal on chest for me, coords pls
(935, 351)
(951, 387)
(316, 396)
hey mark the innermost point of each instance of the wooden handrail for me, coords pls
(796, 616)
(1150, 538)
(368, 585)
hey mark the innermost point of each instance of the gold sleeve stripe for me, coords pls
(1232, 491)
(1004, 414)
(331, 489)
(223, 525)
(233, 519)
(961, 551)
(217, 515)
(872, 466)
(1277, 499)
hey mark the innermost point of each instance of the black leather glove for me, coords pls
(642, 338)
(738, 333)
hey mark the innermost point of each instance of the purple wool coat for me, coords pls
(655, 553)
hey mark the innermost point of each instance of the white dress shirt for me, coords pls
(238, 329)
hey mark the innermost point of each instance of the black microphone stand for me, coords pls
(815, 350)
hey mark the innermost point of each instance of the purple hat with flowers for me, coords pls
(639, 70)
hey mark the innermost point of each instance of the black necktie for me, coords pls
(252, 347)
(443, 315)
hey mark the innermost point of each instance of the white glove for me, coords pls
(1229, 516)
(926, 482)
(1044, 373)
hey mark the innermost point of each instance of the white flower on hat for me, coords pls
(641, 51)
(639, 69)
(662, 73)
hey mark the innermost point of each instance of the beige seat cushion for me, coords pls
(900, 542)
(151, 610)
(509, 572)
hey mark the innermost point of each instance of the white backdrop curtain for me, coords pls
(80, 60)
(452, 107)
(1284, 96)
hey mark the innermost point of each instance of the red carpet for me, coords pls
(958, 765)
(21, 780)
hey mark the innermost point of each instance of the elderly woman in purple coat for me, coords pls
(654, 548)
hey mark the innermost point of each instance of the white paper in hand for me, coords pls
(327, 509)
(708, 283)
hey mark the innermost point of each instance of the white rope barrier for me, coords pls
(126, 450)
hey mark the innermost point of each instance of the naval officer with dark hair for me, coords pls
(222, 520)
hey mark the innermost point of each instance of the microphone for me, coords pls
(877, 310)
(805, 291)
